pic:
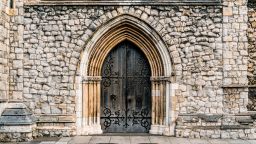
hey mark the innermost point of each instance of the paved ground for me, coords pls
(134, 140)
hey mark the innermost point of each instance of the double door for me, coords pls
(126, 91)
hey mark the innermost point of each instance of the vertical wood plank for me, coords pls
(126, 92)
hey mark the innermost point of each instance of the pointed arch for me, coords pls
(126, 27)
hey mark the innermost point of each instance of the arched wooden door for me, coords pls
(126, 90)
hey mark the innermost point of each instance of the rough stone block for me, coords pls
(210, 118)
(233, 127)
(17, 64)
(244, 119)
(227, 11)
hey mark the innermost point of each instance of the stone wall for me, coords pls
(54, 37)
(4, 52)
(232, 120)
(235, 121)
(16, 121)
(16, 52)
(208, 46)
(235, 54)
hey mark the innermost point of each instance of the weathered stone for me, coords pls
(244, 119)
(46, 109)
(230, 127)
(15, 116)
(190, 119)
(210, 118)
(17, 111)
(41, 50)
(206, 127)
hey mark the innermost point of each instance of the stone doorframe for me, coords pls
(125, 27)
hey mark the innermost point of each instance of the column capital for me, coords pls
(91, 78)
(160, 78)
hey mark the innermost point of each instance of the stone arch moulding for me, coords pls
(125, 27)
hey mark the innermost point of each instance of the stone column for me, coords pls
(159, 100)
(91, 105)
(171, 108)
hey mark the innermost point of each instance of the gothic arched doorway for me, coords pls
(126, 90)
(89, 82)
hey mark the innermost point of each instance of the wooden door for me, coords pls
(126, 90)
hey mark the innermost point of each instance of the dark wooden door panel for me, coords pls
(126, 90)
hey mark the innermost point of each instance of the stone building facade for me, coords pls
(201, 54)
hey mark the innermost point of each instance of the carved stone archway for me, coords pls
(122, 28)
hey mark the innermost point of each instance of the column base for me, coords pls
(90, 129)
(157, 129)
(169, 130)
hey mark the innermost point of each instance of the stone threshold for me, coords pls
(135, 140)
(127, 2)
(125, 134)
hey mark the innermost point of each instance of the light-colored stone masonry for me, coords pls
(4, 52)
(16, 122)
(235, 54)
(229, 121)
(16, 52)
(53, 45)
(208, 46)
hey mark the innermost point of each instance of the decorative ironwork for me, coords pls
(126, 91)
(107, 72)
(119, 117)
